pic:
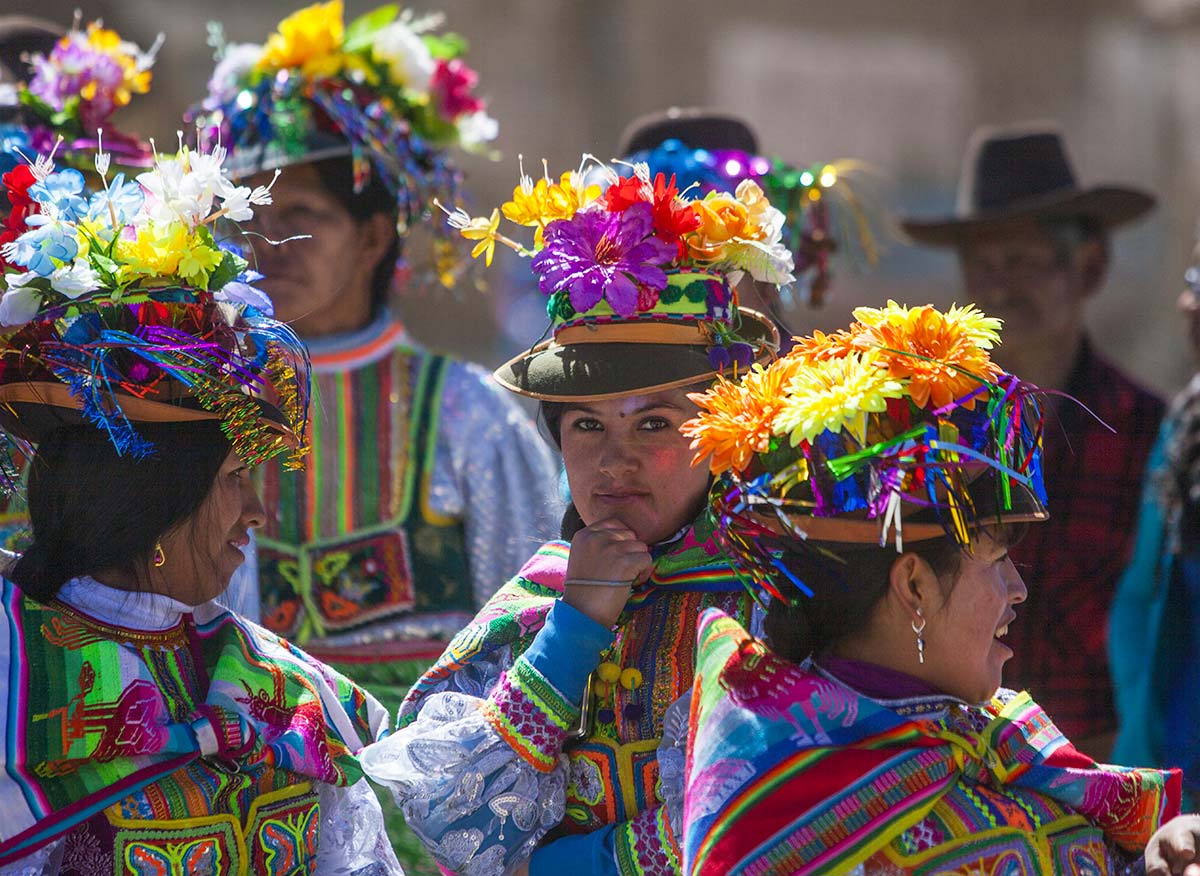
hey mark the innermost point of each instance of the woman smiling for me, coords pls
(867, 731)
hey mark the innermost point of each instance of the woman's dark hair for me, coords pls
(847, 584)
(552, 414)
(92, 510)
(337, 176)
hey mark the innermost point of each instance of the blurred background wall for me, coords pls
(899, 84)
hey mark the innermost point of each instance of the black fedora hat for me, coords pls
(696, 127)
(1024, 173)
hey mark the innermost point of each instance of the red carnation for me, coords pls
(451, 84)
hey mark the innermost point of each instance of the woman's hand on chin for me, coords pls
(1173, 850)
(606, 560)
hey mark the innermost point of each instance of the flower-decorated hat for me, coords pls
(71, 92)
(387, 89)
(900, 426)
(121, 307)
(717, 152)
(638, 281)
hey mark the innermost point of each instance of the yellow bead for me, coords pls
(609, 672)
(631, 679)
(601, 689)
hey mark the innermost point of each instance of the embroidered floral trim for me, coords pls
(646, 846)
(531, 715)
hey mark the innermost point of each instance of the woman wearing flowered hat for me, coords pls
(872, 481)
(427, 482)
(531, 742)
(146, 728)
(67, 88)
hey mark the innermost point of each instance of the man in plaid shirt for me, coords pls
(1033, 248)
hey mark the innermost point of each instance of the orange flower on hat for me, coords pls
(944, 356)
(736, 417)
(820, 346)
(722, 218)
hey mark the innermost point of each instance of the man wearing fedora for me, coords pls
(1033, 247)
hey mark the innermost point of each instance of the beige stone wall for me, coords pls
(896, 83)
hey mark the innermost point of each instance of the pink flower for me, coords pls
(451, 86)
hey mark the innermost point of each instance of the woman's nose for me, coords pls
(253, 512)
(1017, 591)
(616, 456)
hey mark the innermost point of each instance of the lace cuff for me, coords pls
(354, 841)
(531, 715)
(646, 846)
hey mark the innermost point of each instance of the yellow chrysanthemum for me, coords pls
(538, 204)
(310, 39)
(942, 355)
(736, 417)
(836, 394)
(198, 261)
(155, 252)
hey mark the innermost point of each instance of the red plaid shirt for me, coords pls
(1072, 562)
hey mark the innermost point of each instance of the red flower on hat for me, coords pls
(451, 84)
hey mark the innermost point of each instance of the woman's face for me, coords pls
(205, 550)
(625, 458)
(964, 654)
(321, 284)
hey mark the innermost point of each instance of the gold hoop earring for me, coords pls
(920, 639)
(160, 559)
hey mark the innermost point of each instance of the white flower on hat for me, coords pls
(75, 279)
(20, 303)
(237, 60)
(406, 56)
(476, 129)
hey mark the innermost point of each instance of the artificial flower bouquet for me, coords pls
(126, 292)
(898, 413)
(621, 250)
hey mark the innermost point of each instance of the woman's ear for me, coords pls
(913, 587)
(378, 232)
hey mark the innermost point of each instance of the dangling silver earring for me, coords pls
(920, 639)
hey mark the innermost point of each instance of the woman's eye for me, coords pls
(654, 424)
(587, 424)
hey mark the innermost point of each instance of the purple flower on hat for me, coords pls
(596, 254)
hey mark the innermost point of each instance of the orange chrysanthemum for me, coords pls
(819, 346)
(736, 418)
(940, 354)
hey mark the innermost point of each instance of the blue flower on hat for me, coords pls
(61, 193)
(43, 249)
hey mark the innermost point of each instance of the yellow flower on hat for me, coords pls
(538, 204)
(485, 231)
(199, 260)
(310, 39)
(155, 252)
(836, 394)
(134, 79)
